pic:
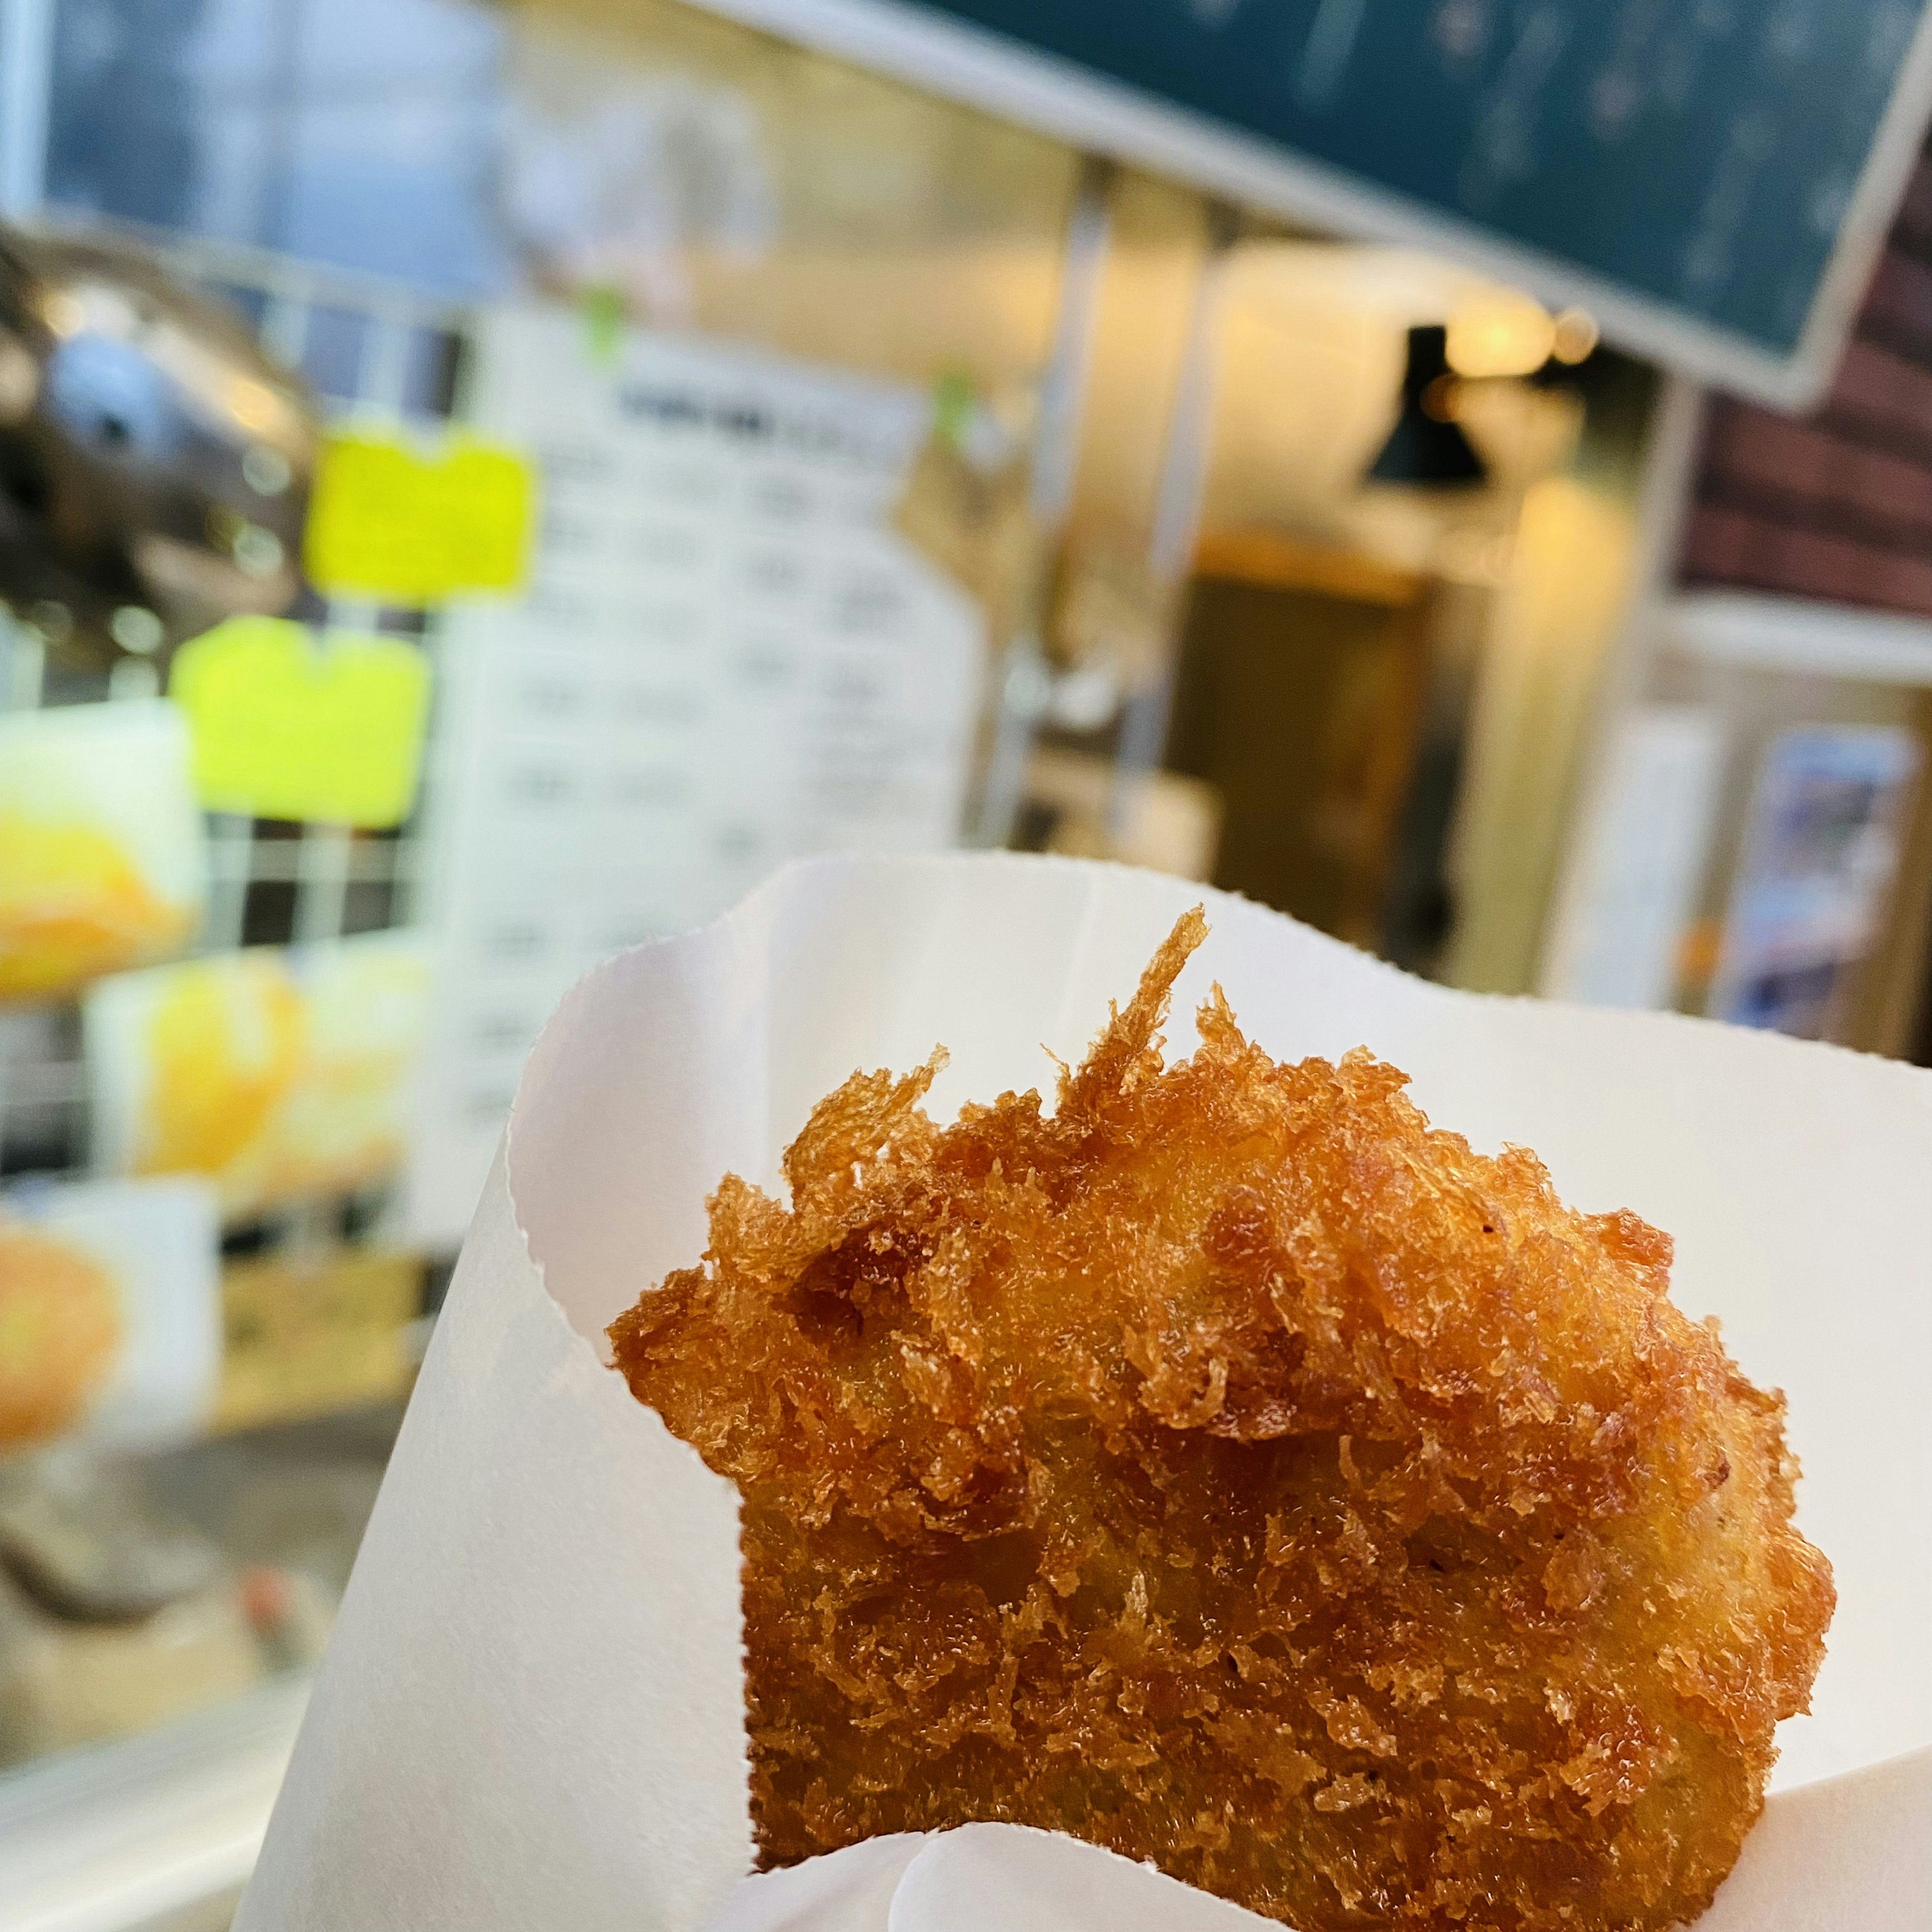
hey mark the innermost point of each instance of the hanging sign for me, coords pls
(1712, 180)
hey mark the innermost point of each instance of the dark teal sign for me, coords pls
(1705, 169)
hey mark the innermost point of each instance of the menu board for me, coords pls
(1713, 179)
(725, 657)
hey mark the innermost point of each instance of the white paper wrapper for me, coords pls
(532, 1711)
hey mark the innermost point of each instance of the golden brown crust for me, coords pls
(1232, 1470)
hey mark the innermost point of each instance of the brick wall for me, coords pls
(1838, 505)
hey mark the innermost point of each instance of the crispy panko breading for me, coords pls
(1232, 1470)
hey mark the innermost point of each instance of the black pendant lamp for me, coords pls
(1426, 449)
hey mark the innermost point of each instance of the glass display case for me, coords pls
(209, 1316)
(852, 446)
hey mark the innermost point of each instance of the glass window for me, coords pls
(357, 132)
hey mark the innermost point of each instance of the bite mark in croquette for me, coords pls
(1228, 1469)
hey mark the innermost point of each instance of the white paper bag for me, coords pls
(532, 1711)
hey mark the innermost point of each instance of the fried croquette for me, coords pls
(1231, 1470)
(60, 1330)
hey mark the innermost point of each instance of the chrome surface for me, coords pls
(154, 463)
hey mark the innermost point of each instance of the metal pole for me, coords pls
(1025, 683)
(328, 852)
(26, 80)
(1663, 508)
(26, 83)
(1176, 516)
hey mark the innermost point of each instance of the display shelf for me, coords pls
(157, 1833)
(1789, 635)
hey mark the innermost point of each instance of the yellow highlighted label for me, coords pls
(286, 726)
(389, 521)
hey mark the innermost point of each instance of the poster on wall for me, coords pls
(1821, 850)
(1642, 860)
(725, 656)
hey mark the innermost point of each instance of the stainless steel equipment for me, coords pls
(154, 465)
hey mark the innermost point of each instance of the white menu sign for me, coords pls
(725, 657)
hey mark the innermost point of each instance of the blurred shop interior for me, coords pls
(482, 485)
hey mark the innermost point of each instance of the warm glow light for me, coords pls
(1500, 333)
(254, 405)
(1577, 335)
(1481, 557)
(1442, 401)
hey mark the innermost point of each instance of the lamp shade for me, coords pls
(1426, 448)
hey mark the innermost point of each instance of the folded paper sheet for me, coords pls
(531, 1710)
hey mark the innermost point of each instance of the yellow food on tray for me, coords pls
(101, 864)
(280, 1075)
(226, 1036)
(1231, 1470)
(72, 907)
(60, 1331)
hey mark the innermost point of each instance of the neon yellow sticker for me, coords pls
(284, 725)
(387, 521)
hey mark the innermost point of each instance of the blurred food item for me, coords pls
(60, 1330)
(102, 858)
(157, 1243)
(288, 725)
(76, 907)
(279, 1075)
(307, 1334)
(154, 463)
(1231, 1471)
(227, 1038)
(132, 1593)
